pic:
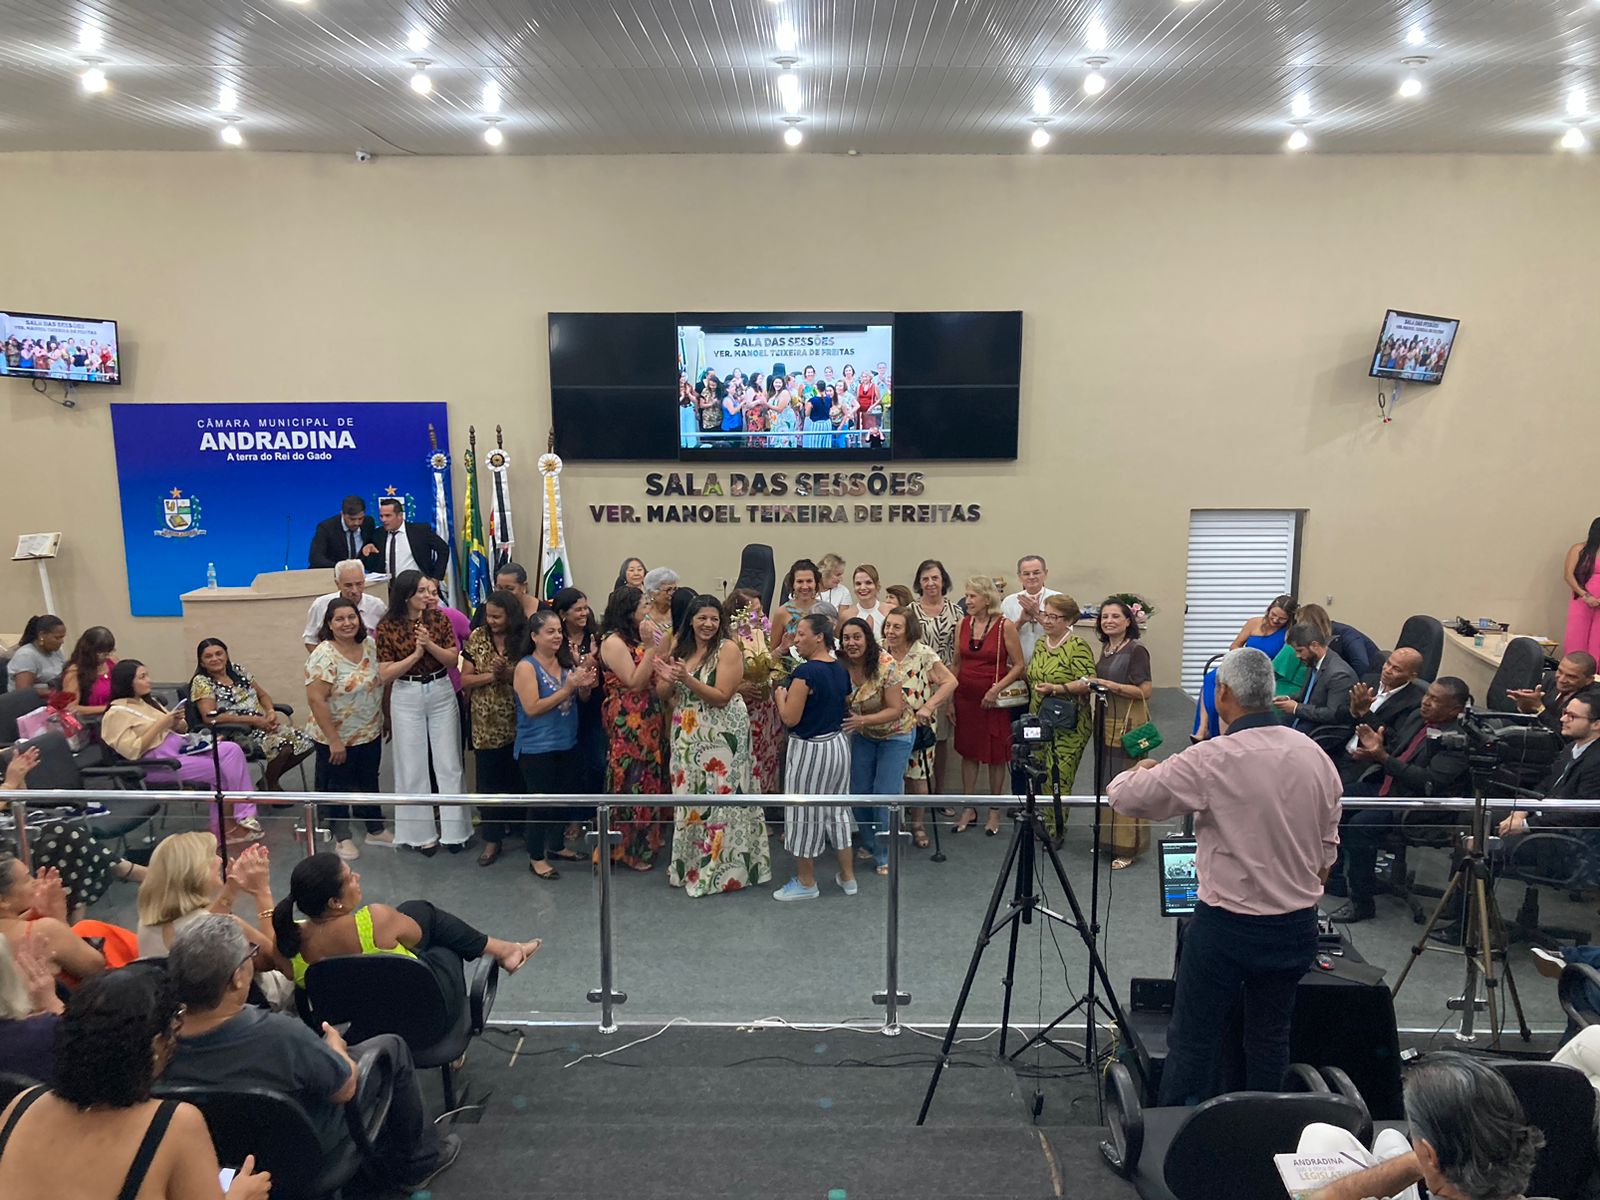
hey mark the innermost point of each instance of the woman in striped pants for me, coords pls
(812, 705)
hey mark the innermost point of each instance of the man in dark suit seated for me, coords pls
(409, 545)
(1383, 698)
(348, 534)
(1411, 762)
(1572, 674)
(1322, 710)
(1575, 775)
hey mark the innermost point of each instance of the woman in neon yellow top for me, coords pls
(340, 922)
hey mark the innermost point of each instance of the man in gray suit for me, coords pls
(1322, 710)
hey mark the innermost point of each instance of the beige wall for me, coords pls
(1196, 332)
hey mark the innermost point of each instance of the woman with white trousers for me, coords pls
(423, 715)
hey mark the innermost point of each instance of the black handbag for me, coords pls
(1059, 712)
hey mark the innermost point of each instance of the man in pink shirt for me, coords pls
(1265, 800)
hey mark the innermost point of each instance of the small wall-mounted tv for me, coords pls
(1413, 347)
(68, 349)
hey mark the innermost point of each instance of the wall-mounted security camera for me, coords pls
(363, 156)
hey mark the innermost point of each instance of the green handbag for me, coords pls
(1142, 739)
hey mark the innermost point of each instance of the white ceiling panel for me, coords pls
(876, 76)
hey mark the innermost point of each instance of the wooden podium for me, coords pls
(262, 625)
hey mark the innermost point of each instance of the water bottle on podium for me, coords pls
(211, 575)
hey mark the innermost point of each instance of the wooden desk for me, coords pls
(262, 625)
(1477, 664)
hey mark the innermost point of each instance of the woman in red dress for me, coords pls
(988, 657)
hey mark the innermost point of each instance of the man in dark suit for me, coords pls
(409, 545)
(1572, 674)
(1412, 763)
(350, 534)
(1575, 775)
(1322, 710)
(1384, 698)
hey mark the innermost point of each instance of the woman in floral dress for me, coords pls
(228, 695)
(635, 730)
(749, 627)
(715, 848)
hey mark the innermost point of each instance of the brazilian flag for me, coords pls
(475, 552)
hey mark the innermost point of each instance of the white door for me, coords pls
(1239, 559)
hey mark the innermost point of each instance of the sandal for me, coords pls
(1121, 864)
(566, 855)
(552, 873)
(863, 854)
(883, 870)
(919, 837)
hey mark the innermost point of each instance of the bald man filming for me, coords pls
(1265, 799)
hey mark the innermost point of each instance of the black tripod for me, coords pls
(1483, 932)
(1028, 836)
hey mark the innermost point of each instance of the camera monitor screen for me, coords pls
(71, 349)
(774, 386)
(1413, 347)
(1180, 879)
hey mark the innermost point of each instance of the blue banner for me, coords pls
(243, 486)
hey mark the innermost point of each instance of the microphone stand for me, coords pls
(217, 798)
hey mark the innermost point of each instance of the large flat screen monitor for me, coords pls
(1413, 347)
(785, 385)
(71, 349)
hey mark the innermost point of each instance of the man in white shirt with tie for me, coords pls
(396, 546)
(1021, 608)
(351, 580)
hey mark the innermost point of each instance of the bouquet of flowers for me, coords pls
(762, 667)
(1141, 608)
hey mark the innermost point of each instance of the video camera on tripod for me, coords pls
(1507, 752)
(1032, 733)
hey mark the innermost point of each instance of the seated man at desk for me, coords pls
(1322, 710)
(1575, 775)
(1410, 761)
(1385, 697)
(1572, 674)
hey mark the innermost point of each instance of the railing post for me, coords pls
(892, 997)
(311, 827)
(19, 814)
(603, 838)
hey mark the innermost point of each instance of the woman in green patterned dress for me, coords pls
(1062, 664)
(715, 848)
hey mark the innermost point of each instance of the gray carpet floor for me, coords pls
(736, 958)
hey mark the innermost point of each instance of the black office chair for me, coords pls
(60, 769)
(12, 706)
(276, 1130)
(1560, 861)
(1576, 989)
(758, 572)
(1559, 1100)
(13, 1085)
(390, 993)
(1219, 1150)
(1521, 666)
(1425, 635)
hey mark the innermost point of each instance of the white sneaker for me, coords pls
(848, 886)
(347, 850)
(795, 890)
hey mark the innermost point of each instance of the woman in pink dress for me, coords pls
(1583, 579)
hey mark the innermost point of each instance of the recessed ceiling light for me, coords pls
(93, 80)
(421, 84)
(787, 37)
(1573, 139)
(493, 136)
(227, 98)
(231, 135)
(491, 97)
(1298, 140)
(1577, 102)
(1041, 100)
(1040, 138)
(792, 136)
(417, 39)
(1415, 36)
(1095, 36)
(1300, 106)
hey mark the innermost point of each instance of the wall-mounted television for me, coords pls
(1413, 347)
(765, 386)
(68, 349)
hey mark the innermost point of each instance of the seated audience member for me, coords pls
(340, 921)
(226, 1043)
(349, 581)
(1575, 775)
(228, 696)
(1412, 761)
(1266, 633)
(99, 1132)
(136, 726)
(185, 883)
(33, 908)
(87, 677)
(1469, 1139)
(1322, 709)
(30, 1011)
(37, 662)
(1382, 698)
(1572, 674)
(1356, 648)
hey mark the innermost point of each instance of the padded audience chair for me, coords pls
(60, 769)
(388, 993)
(1521, 666)
(275, 1128)
(1425, 635)
(12, 706)
(13, 1085)
(1560, 1101)
(1219, 1150)
(1553, 860)
(1577, 990)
